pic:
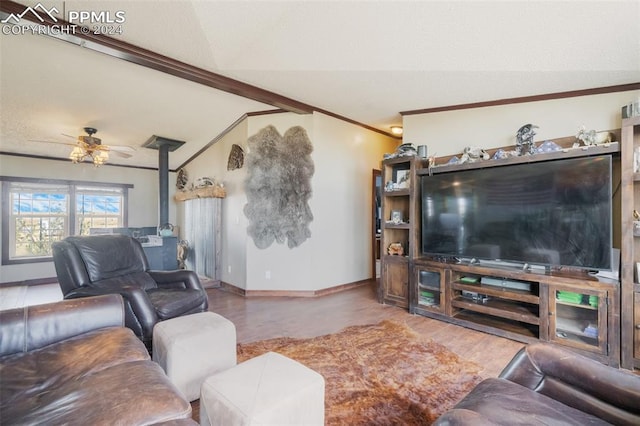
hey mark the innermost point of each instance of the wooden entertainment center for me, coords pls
(630, 246)
(590, 314)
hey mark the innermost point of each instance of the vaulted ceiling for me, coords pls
(366, 61)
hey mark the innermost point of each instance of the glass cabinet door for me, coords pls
(578, 318)
(429, 288)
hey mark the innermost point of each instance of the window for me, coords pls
(39, 216)
(98, 208)
(37, 213)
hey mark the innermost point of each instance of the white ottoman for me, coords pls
(270, 389)
(192, 347)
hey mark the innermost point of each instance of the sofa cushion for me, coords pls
(28, 375)
(501, 402)
(134, 393)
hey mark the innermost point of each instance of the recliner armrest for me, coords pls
(577, 381)
(180, 278)
(136, 300)
(32, 327)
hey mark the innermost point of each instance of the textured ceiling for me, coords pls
(64, 88)
(365, 60)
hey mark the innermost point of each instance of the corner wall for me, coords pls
(339, 250)
(213, 163)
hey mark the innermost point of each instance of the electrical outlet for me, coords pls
(229, 269)
(267, 275)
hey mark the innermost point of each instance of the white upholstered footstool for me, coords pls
(270, 389)
(192, 347)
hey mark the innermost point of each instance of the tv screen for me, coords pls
(553, 213)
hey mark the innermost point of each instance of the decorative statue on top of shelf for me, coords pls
(592, 137)
(548, 146)
(203, 182)
(524, 139)
(404, 150)
(471, 154)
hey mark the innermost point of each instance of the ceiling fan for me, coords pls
(90, 146)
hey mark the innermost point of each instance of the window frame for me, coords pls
(91, 192)
(71, 217)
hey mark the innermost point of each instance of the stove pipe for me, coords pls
(164, 146)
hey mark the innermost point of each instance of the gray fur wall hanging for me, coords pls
(278, 187)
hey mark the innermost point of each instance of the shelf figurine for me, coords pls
(592, 137)
(524, 140)
(395, 249)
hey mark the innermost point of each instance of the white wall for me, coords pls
(290, 269)
(447, 133)
(346, 156)
(143, 198)
(339, 250)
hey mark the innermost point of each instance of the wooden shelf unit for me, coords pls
(589, 326)
(630, 246)
(394, 275)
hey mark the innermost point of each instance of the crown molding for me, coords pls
(525, 99)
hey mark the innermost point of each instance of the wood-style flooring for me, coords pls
(258, 318)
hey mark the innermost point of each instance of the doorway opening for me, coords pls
(376, 185)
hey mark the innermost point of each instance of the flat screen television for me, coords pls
(552, 213)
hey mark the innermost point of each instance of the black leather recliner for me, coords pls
(106, 264)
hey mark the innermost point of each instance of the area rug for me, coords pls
(381, 374)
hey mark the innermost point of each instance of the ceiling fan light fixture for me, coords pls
(89, 148)
(100, 158)
(77, 154)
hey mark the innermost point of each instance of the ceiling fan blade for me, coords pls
(121, 148)
(111, 150)
(90, 144)
(121, 154)
(56, 142)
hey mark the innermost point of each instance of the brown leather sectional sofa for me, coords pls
(74, 362)
(546, 385)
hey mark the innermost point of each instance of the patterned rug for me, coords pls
(379, 374)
